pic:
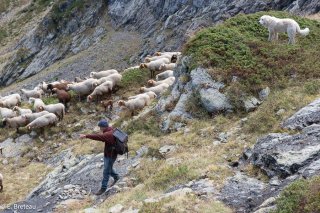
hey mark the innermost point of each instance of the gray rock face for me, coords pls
(49, 41)
(284, 155)
(242, 192)
(14, 148)
(304, 117)
(164, 25)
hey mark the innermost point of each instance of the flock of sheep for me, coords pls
(99, 85)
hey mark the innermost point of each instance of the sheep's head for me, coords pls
(147, 60)
(143, 65)
(151, 82)
(15, 108)
(92, 74)
(41, 108)
(121, 103)
(157, 54)
(174, 58)
(162, 67)
(142, 89)
(29, 127)
(89, 98)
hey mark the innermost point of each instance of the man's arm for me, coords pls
(106, 137)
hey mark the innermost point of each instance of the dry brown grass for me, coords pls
(19, 180)
(314, 16)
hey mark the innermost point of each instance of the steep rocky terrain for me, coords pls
(194, 149)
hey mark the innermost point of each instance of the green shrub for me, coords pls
(312, 88)
(302, 196)
(134, 77)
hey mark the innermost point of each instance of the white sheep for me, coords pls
(151, 94)
(147, 97)
(58, 109)
(10, 101)
(99, 91)
(154, 58)
(81, 88)
(114, 78)
(37, 103)
(169, 81)
(7, 113)
(133, 104)
(31, 117)
(1, 182)
(159, 89)
(154, 66)
(164, 75)
(167, 53)
(22, 111)
(14, 122)
(35, 93)
(165, 67)
(101, 74)
(43, 121)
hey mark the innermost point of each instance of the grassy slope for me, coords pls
(198, 155)
(239, 47)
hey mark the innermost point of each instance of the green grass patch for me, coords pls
(134, 78)
(50, 100)
(239, 47)
(300, 196)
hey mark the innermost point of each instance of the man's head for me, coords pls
(103, 124)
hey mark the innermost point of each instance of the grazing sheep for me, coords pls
(133, 104)
(58, 109)
(102, 74)
(81, 88)
(101, 90)
(62, 95)
(22, 111)
(31, 117)
(60, 86)
(165, 67)
(147, 97)
(78, 79)
(1, 182)
(155, 58)
(114, 78)
(157, 89)
(37, 103)
(154, 66)
(164, 75)
(169, 81)
(7, 113)
(167, 53)
(10, 101)
(106, 104)
(14, 122)
(43, 121)
(35, 93)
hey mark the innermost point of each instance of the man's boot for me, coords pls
(114, 181)
(101, 191)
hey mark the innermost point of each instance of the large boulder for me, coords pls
(283, 155)
(208, 89)
(304, 117)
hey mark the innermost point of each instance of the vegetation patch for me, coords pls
(300, 196)
(239, 47)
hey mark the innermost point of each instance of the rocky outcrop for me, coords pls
(304, 117)
(71, 27)
(64, 30)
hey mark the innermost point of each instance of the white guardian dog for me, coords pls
(277, 25)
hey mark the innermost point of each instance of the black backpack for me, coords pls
(121, 139)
